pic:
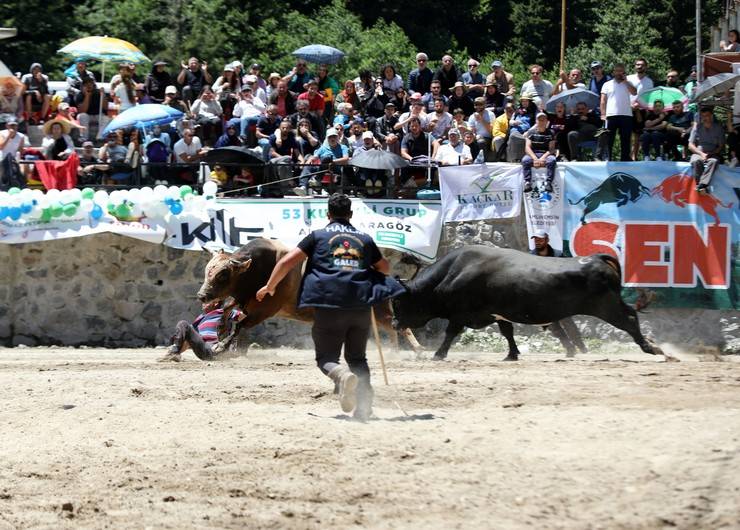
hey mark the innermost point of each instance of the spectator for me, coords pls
(402, 101)
(188, 150)
(227, 89)
(520, 123)
(207, 113)
(12, 142)
(192, 78)
(247, 114)
(157, 81)
(37, 95)
(731, 44)
(390, 79)
(671, 80)
(348, 95)
(416, 143)
(11, 103)
(500, 131)
(272, 83)
(91, 103)
(297, 78)
(583, 127)
(373, 180)
(115, 156)
(266, 127)
(283, 99)
(460, 99)
(91, 167)
(375, 105)
(642, 83)
(307, 136)
(57, 143)
(417, 111)
(302, 112)
(558, 123)
(255, 69)
(172, 99)
(598, 78)
(219, 176)
(678, 129)
(331, 153)
(495, 100)
(124, 93)
(540, 151)
(230, 138)
(653, 134)
(314, 99)
(285, 150)
(420, 78)
(384, 129)
(459, 121)
(75, 80)
(329, 88)
(141, 95)
(541, 88)
(436, 92)
(344, 115)
(481, 123)
(251, 80)
(364, 86)
(117, 77)
(616, 110)
(503, 80)
(474, 79)
(475, 151)
(706, 142)
(447, 74)
(690, 87)
(569, 81)
(440, 121)
(355, 135)
(455, 152)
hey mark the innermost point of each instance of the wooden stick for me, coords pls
(377, 341)
(562, 37)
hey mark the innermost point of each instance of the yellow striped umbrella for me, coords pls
(104, 49)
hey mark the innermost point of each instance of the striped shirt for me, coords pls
(207, 324)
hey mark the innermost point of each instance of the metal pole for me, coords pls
(562, 37)
(699, 66)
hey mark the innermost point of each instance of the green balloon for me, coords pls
(57, 210)
(122, 211)
(111, 208)
(88, 193)
(46, 215)
(70, 209)
(185, 190)
(14, 191)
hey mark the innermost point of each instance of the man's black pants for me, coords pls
(185, 333)
(334, 327)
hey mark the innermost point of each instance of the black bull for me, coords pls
(619, 187)
(476, 286)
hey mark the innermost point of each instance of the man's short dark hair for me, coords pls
(706, 109)
(414, 119)
(677, 102)
(340, 206)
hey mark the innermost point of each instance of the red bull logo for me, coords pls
(680, 190)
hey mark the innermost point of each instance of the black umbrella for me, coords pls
(233, 155)
(715, 85)
(377, 159)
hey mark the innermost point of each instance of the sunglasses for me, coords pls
(421, 60)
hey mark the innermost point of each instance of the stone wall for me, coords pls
(110, 290)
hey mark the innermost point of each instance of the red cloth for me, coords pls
(58, 174)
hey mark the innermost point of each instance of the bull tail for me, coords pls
(577, 202)
(644, 299)
(647, 191)
(410, 259)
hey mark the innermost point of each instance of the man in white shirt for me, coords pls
(188, 149)
(12, 142)
(454, 153)
(616, 110)
(248, 110)
(642, 83)
(440, 121)
(481, 123)
(541, 87)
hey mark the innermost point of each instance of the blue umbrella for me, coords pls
(319, 53)
(145, 115)
(571, 98)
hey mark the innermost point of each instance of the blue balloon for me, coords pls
(176, 208)
(26, 207)
(3, 212)
(168, 201)
(14, 212)
(96, 212)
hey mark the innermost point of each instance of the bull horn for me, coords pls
(243, 265)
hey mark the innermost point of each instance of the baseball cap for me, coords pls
(596, 64)
(228, 68)
(246, 88)
(390, 105)
(251, 78)
(87, 143)
(256, 66)
(331, 132)
(539, 233)
(497, 64)
(454, 131)
(367, 134)
(170, 90)
(12, 121)
(540, 115)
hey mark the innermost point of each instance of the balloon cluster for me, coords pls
(125, 205)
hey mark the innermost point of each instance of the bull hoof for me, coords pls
(511, 358)
(670, 358)
(439, 357)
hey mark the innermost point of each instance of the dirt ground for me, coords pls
(94, 438)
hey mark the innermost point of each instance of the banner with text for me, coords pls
(404, 225)
(480, 191)
(668, 237)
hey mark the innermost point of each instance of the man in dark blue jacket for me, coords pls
(345, 275)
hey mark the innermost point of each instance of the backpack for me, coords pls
(157, 152)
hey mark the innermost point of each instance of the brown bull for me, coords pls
(241, 274)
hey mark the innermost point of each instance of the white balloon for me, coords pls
(87, 205)
(136, 211)
(210, 188)
(146, 191)
(160, 191)
(76, 194)
(173, 192)
(53, 194)
(101, 197)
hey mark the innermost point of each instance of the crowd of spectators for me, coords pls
(431, 116)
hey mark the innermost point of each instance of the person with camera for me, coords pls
(192, 78)
(247, 114)
(616, 111)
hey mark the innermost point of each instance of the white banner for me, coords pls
(545, 209)
(480, 191)
(77, 226)
(404, 225)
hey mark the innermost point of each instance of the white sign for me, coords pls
(480, 191)
(78, 226)
(544, 209)
(404, 225)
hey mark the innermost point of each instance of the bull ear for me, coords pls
(216, 252)
(240, 266)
